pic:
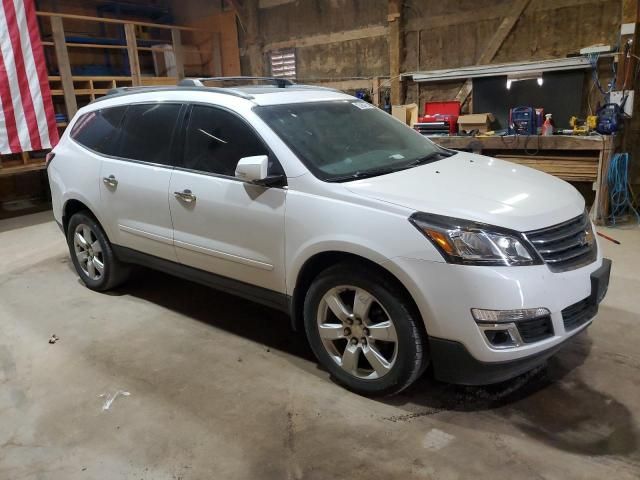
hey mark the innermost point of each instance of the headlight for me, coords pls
(466, 242)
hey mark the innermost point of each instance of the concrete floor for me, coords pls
(221, 388)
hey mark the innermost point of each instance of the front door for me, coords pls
(221, 224)
(135, 182)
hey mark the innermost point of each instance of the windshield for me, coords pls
(348, 139)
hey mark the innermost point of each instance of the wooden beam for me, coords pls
(71, 16)
(344, 84)
(178, 51)
(395, 41)
(497, 11)
(489, 53)
(324, 39)
(132, 51)
(64, 67)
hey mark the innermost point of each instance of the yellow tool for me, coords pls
(581, 126)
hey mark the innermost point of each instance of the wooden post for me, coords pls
(132, 51)
(253, 38)
(600, 210)
(627, 66)
(178, 52)
(216, 55)
(630, 15)
(395, 37)
(64, 67)
(376, 91)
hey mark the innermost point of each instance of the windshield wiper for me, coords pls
(430, 158)
(374, 172)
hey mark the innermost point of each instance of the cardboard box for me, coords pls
(406, 113)
(475, 121)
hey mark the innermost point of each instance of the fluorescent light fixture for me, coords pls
(516, 77)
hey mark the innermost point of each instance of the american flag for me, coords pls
(27, 119)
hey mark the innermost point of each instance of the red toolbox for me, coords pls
(440, 118)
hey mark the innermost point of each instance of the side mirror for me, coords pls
(255, 170)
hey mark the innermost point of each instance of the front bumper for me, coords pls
(446, 293)
(452, 363)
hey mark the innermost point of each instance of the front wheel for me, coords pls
(363, 330)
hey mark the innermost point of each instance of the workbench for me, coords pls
(572, 158)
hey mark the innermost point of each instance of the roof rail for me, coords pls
(120, 91)
(198, 82)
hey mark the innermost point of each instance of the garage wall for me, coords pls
(342, 38)
(450, 39)
(346, 41)
(334, 39)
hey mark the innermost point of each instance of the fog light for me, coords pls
(501, 335)
(498, 337)
(503, 316)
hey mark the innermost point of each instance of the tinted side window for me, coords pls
(97, 130)
(216, 140)
(146, 132)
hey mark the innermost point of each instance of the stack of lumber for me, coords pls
(570, 168)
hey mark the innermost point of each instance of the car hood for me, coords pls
(478, 188)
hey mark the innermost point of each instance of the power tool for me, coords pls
(522, 121)
(583, 126)
(609, 119)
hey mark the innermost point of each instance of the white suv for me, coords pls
(392, 253)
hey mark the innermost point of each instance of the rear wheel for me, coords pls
(363, 330)
(92, 254)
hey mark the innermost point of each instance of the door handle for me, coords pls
(110, 181)
(185, 196)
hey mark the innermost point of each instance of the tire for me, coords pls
(86, 240)
(390, 353)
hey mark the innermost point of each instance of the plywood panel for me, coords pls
(356, 58)
(315, 17)
(554, 33)
(225, 24)
(454, 45)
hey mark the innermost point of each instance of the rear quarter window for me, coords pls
(97, 130)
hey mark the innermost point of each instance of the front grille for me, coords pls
(567, 245)
(535, 329)
(578, 314)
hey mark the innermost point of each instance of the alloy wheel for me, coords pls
(357, 332)
(88, 252)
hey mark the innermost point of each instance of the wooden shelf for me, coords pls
(522, 142)
(17, 169)
(88, 45)
(99, 78)
(121, 22)
(77, 90)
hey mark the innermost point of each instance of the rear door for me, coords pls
(221, 224)
(135, 180)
